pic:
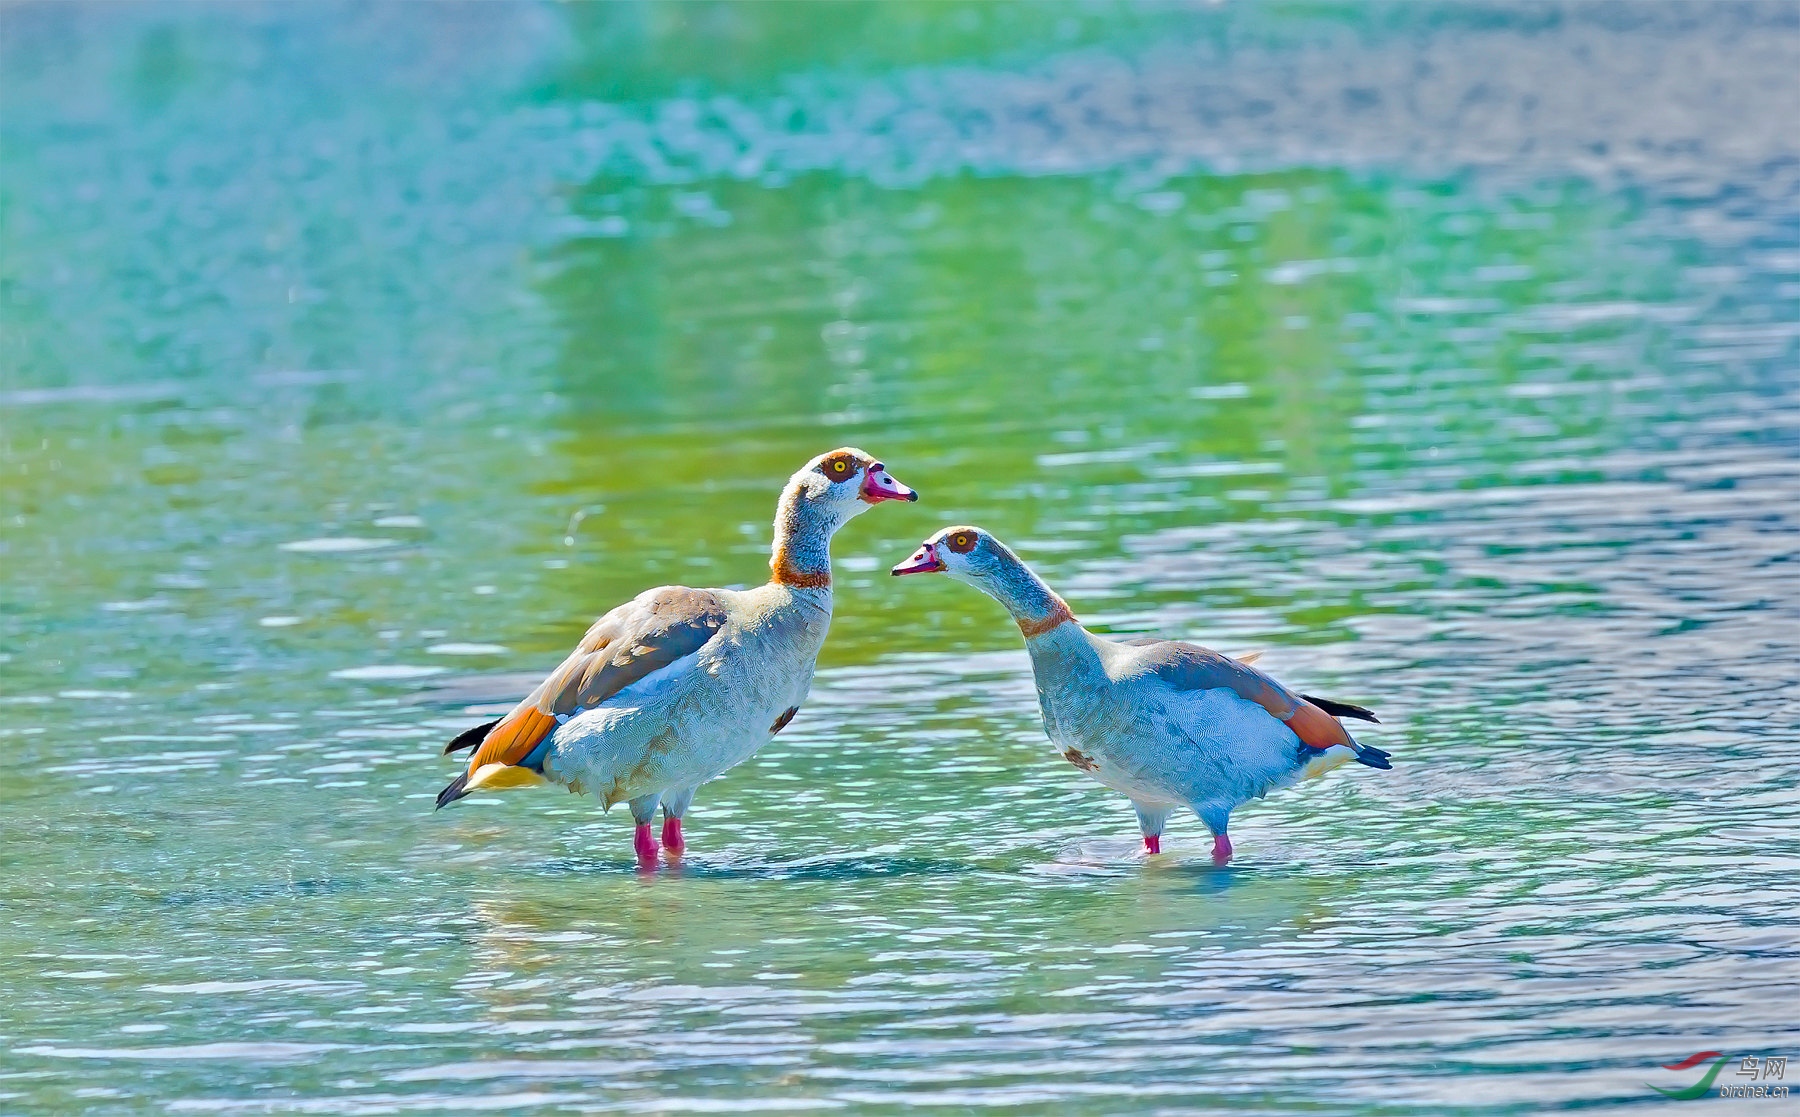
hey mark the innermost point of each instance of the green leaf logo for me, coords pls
(1699, 1088)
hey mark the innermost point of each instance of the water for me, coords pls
(355, 358)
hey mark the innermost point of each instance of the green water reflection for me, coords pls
(1059, 360)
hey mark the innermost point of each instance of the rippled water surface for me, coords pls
(354, 359)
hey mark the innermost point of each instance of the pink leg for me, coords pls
(1152, 843)
(672, 843)
(645, 844)
(1221, 849)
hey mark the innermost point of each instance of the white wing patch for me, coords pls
(647, 690)
(620, 723)
(1249, 750)
(1220, 718)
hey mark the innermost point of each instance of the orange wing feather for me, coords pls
(1316, 728)
(513, 739)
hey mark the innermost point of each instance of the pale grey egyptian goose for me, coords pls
(678, 685)
(1167, 723)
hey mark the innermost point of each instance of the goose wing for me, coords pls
(647, 633)
(1189, 667)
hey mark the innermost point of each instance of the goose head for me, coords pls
(827, 493)
(972, 555)
(967, 554)
(836, 487)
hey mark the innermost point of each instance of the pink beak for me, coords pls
(923, 561)
(879, 485)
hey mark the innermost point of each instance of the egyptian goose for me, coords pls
(1167, 723)
(678, 685)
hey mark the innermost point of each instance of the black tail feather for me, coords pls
(1373, 757)
(454, 792)
(471, 738)
(1342, 709)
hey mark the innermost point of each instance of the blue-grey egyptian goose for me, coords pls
(1167, 723)
(678, 685)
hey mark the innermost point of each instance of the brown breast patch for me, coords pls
(1081, 760)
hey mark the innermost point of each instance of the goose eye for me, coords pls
(837, 469)
(962, 542)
